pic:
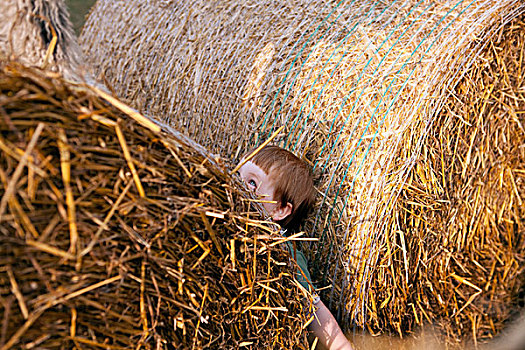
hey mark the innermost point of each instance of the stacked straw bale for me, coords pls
(39, 33)
(356, 85)
(203, 66)
(117, 232)
(457, 240)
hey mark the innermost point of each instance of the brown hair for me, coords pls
(292, 180)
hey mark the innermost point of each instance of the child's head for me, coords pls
(278, 175)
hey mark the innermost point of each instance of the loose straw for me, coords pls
(247, 159)
(18, 171)
(65, 164)
(52, 45)
(131, 166)
(128, 110)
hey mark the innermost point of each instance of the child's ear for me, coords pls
(282, 212)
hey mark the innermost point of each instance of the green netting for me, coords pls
(408, 25)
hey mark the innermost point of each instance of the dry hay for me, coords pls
(39, 33)
(356, 85)
(459, 226)
(207, 63)
(117, 232)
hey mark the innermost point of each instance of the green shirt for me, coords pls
(301, 261)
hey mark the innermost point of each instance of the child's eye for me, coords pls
(252, 184)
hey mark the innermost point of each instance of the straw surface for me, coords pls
(117, 232)
(356, 85)
(457, 237)
(39, 33)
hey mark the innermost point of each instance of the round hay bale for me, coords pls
(356, 86)
(39, 33)
(118, 232)
(458, 233)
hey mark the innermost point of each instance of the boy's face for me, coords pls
(259, 182)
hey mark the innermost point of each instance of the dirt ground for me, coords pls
(512, 338)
